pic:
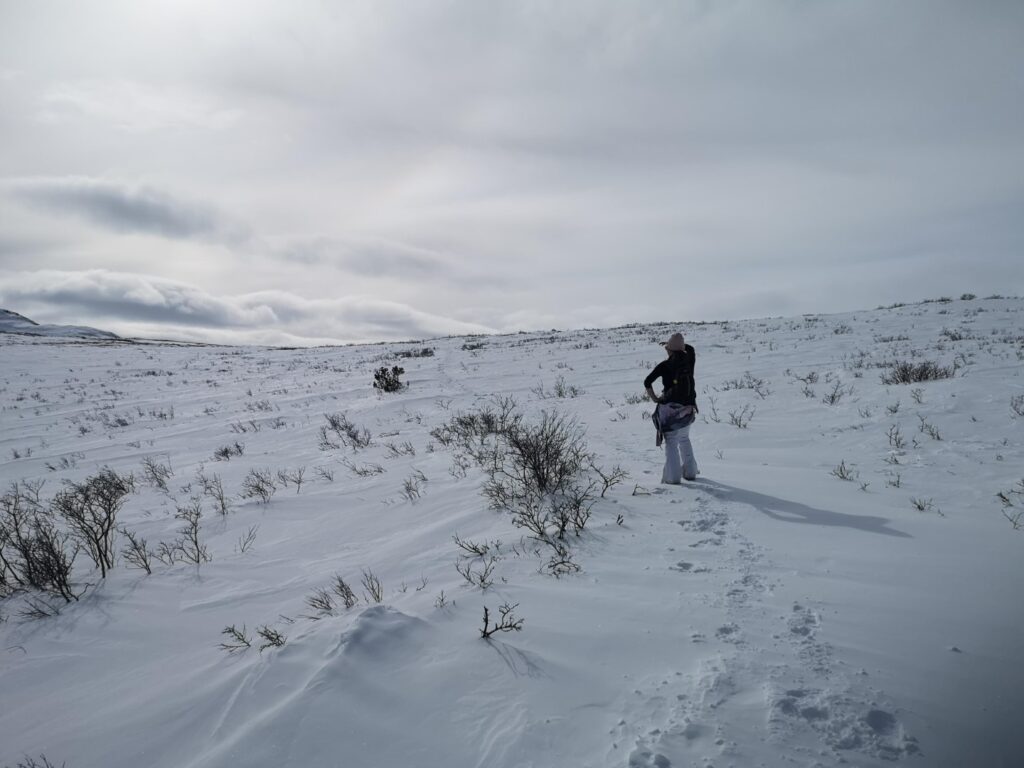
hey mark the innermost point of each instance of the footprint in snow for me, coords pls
(684, 567)
(843, 721)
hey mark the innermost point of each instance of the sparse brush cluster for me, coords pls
(747, 381)
(561, 389)
(907, 372)
(340, 431)
(322, 603)
(39, 540)
(410, 353)
(542, 474)
(41, 762)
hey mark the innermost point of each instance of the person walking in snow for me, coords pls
(676, 409)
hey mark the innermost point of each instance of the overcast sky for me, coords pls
(298, 172)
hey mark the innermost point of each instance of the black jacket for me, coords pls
(676, 377)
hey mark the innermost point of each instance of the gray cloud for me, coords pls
(130, 303)
(373, 258)
(123, 208)
(547, 163)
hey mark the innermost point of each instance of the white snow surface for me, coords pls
(767, 614)
(12, 322)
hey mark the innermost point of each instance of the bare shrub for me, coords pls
(373, 586)
(560, 562)
(474, 549)
(190, 549)
(226, 452)
(213, 488)
(258, 484)
(1011, 511)
(924, 505)
(292, 476)
(471, 430)
(271, 638)
(895, 437)
(837, 393)
(906, 372)
(137, 554)
(810, 378)
(166, 553)
(155, 473)
(741, 418)
(34, 553)
(507, 622)
(42, 762)
(844, 472)
(412, 486)
(423, 352)
(1017, 404)
(69, 461)
(90, 510)
(483, 576)
(238, 639)
(363, 470)
(325, 442)
(247, 539)
(321, 602)
(610, 478)
(929, 429)
(543, 458)
(341, 588)
(347, 432)
(566, 390)
(396, 450)
(749, 381)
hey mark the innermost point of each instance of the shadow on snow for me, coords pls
(795, 512)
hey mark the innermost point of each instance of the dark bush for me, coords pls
(258, 484)
(34, 553)
(905, 372)
(388, 380)
(424, 352)
(90, 510)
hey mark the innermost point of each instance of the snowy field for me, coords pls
(772, 613)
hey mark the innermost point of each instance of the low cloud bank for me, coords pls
(142, 305)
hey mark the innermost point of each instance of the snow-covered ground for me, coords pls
(768, 614)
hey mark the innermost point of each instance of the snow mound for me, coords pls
(312, 705)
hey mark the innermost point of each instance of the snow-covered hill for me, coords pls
(12, 322)
(772, 613)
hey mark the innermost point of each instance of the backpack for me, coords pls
(680, 386)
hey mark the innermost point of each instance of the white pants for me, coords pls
(679, 458)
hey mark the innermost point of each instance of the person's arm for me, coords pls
(650, 380)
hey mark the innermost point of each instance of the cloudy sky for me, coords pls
(298, 172)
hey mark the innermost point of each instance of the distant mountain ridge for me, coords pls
(12, 322)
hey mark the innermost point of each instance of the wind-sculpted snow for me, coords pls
(840, 586)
